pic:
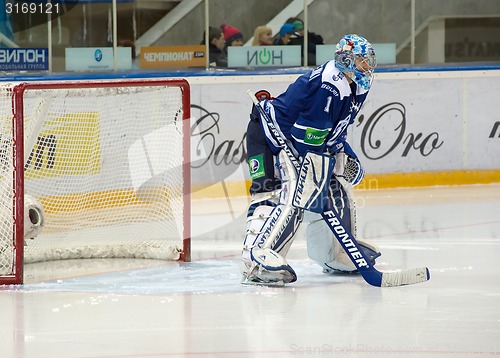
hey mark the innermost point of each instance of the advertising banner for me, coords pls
(481, 140)
(410, 126)
(263, 56)
(173, 56)
(406, 126)
(97, 58)
(24, 59)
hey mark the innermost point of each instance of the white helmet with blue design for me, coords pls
(355, 57)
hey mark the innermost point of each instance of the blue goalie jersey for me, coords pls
(315, 111)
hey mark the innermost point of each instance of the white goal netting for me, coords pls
(106, 164)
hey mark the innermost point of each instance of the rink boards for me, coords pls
(416, 128)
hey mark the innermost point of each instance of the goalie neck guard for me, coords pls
(355, 57)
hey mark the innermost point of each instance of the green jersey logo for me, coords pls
(256, 165)
(315, 136)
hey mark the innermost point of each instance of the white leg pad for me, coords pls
(262, 265)
(254, 226)
(325, 249)
(270, 233)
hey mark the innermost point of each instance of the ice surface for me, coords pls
(142, 308)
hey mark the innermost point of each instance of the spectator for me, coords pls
(263, 36)
(313, 39)
(285, 34)
(232, 35)
(217, 56)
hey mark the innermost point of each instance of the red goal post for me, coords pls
(102, 166)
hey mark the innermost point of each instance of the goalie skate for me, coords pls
(267, 268)
(260, 279)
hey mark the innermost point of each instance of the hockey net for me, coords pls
(109, 163)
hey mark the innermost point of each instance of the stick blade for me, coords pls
(407, 277)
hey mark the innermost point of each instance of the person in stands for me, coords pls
(313, 39)
(217, 56)
(262, 36)
(285, 34)
(232, 35)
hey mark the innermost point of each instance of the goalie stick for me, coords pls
(369, 273)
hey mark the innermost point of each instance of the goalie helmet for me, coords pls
(355, 57)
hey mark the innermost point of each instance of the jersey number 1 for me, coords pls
(328, 102)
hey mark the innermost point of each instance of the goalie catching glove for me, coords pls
(348, 166)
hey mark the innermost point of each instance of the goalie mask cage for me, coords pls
(109, 163)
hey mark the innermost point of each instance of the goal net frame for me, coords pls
(17, 92)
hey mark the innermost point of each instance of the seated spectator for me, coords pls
(217, 56)
(313, 39)
(262, 36)
(232, 35)
(285, 34)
